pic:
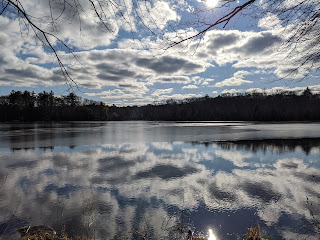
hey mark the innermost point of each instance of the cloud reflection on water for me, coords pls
(139, 185)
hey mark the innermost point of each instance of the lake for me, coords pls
(128, 180)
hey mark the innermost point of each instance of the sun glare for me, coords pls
(211, 235)
(212, 3)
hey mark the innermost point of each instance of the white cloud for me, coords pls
(201, 81)
(172, 79)
(261, 50)
(158, 15)
(137, 63)
(178, 96)
(241, 74)
(190, 87)
(230, 91)
(162, 91)
(236, 80)
(270, 22)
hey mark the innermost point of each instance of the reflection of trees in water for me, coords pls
(279, 145)
(48, 148)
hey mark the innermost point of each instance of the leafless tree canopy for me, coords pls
(299, 18)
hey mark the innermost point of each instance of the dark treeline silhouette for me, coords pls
(281, 106)
(255, 106)
(28, 106)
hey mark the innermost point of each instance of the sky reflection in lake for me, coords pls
(153, 186)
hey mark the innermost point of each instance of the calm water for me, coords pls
(126, 180)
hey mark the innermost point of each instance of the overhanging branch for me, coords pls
(225, 19)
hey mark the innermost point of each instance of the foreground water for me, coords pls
(123, 180)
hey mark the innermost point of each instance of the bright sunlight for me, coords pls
(211, 235)
(211, 3)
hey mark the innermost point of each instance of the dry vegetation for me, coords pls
(46, 233)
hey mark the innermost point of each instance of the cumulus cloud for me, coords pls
(162, 91)
(169, 64)
(14, 71)
(75, 31)
(190, 87)
(234, 45)
(108, 61)
(230, 91)
(172, 79)
(270, 21)
(178, 96)
(201, 81)
(236, 80)
(30, 64)
(263, 50)
(157, 15)
(124, 68)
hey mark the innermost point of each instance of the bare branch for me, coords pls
(225, 19)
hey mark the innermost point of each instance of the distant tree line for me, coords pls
(28, 106)
(254, 106)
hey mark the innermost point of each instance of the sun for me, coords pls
(212, 3)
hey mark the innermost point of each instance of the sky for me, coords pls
(126, 60)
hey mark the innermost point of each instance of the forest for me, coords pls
(254, 106)
(45, 106)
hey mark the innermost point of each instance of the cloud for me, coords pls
(190, 87)
(261, 50)
(79, 28)
(270, 21)
(230, 91)
(25, 63)
(236, 80)
(259, 43)
(115, 91)
(169, 64)
(221, 40)
(241, 74)
(109, 61)
(172, 79)
(162, 91)
(130, 92)
(157, 16)
(201, 81)
(110, 68)
(178, 96)
(121, 68)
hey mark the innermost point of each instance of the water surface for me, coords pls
(132, 179)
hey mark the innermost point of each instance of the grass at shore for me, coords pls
(46, 233)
